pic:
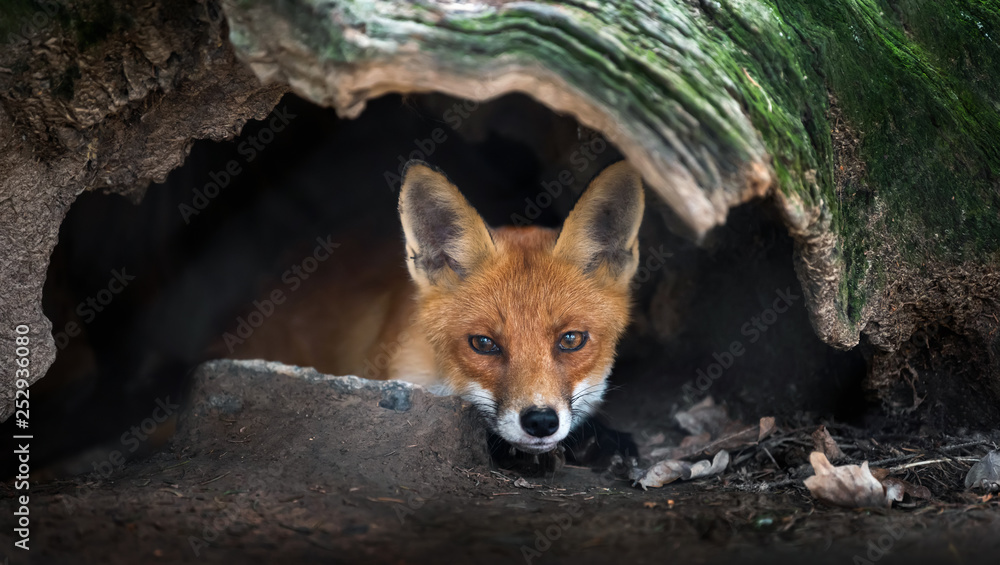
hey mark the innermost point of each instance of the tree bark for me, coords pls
(99, 96)
(872, 126)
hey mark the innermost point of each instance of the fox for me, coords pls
(523, 322)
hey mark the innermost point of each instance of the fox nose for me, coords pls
(540, 422)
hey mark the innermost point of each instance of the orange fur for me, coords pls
(524, 298)
(522, 287)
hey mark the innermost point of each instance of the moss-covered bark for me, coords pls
(874, 125)
(697, 89)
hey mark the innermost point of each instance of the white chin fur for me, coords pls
(587, 398)
(509, 427)
(482, 398)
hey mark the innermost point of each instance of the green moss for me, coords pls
(929, 142)
(781, 93)
(917, 79)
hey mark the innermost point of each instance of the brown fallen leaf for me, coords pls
(696, 441)
(850, 486)
(670, 470)
(765, 427)
(736, 436)
(690, 445)
(706, 416)
(896, 488)
(662, 473)
(655, 439)
(741, 437)
(822, 441)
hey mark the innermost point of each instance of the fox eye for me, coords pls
(572, 341)
(484, 345)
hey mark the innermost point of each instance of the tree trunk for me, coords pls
(872, 127)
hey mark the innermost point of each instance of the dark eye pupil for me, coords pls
(571, 340)
(483, 344)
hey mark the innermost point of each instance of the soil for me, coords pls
(271, 460)
(260, 460)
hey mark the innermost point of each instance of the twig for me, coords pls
(771, 457)
(215, 479)
(893, 460)
(962, 445)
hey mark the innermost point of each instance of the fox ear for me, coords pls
(600, 235)
(445, 236)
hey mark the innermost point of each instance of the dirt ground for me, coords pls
(274, 461)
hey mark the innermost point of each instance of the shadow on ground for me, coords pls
(271, 460)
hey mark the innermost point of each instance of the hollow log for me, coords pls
(872, 127)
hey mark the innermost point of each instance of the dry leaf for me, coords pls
(703, 417)
(670, 470)
(848, 485)
(705, 469)
(893, 489)
(826, 444)
(696, 441)
(742, 437)
(655, 439)
(689, 446)
(985, 474)
(766, 426)
(896, 488)
(736, 436)
(665, 452)
(663, 473)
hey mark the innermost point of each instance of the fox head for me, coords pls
(523, 321)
